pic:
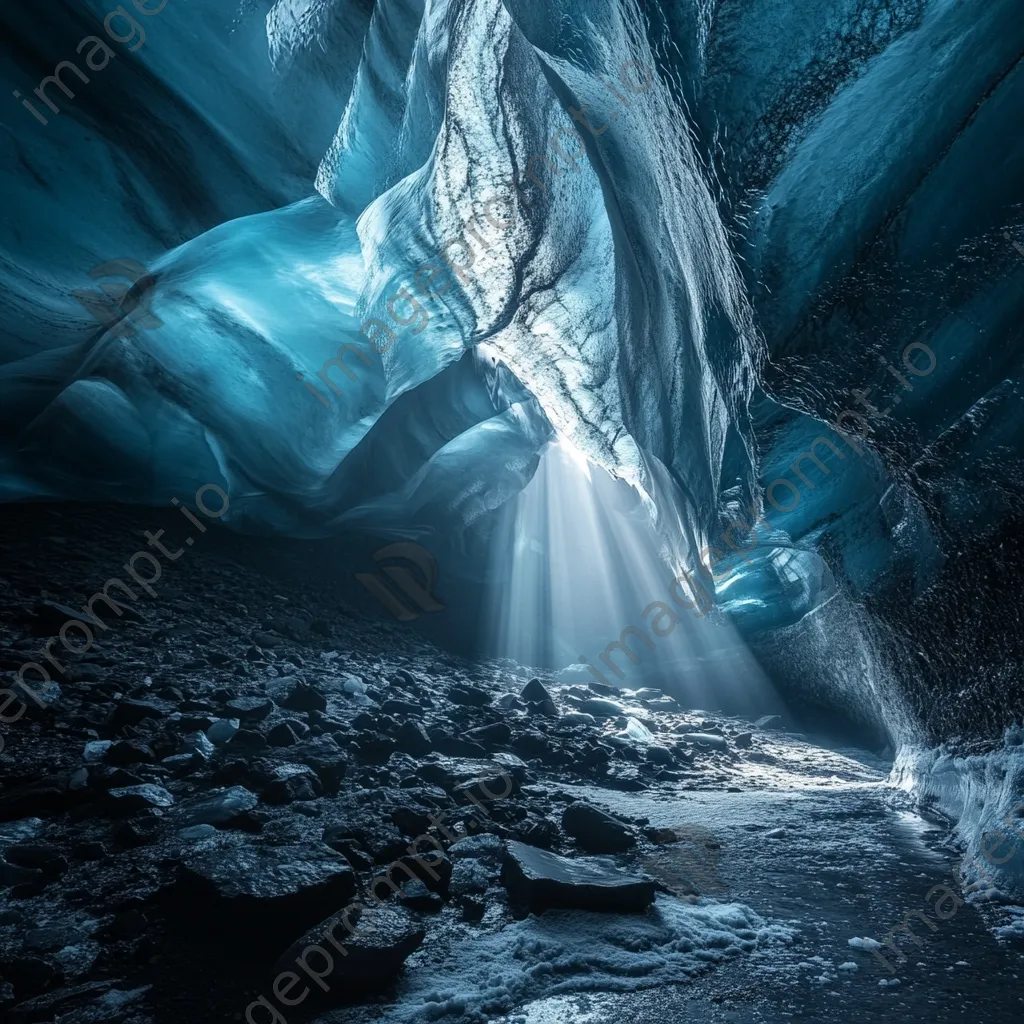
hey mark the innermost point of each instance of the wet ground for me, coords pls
(814, 844)
(833, 857)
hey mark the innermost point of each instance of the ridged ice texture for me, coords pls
(613, 299)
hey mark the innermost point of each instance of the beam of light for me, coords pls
(576, 562)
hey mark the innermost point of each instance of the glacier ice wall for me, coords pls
(612, 297)
(690, 280)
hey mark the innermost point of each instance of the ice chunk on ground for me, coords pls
(637, 731)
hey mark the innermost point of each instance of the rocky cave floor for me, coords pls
(240, 756)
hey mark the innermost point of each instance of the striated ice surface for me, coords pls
(730, 224)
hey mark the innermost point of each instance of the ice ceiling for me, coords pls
(703, 260)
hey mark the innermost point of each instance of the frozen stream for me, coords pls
(811, 846)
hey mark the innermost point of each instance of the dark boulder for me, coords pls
(256, 891)
(470, 696)
(376, 942)
(537, 880)
(291, 783)
(595, 831)
(412, 738)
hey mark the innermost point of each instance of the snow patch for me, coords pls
(563, 952)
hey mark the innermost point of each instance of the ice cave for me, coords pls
(511, 511)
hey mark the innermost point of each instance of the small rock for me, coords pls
(223, 731)
(196, 743)
(128, 752)
(657, 754)
(486, 789)
(89, 850)
(497, 733)
(534, 692)
(127, 799)
(601, 708)
(411, 821)
(43, 856)
(249, 709)
(485, 847)
(293, 783)
(251, 741)
(743, 740)
(661, 836)
(216, 807)
(647, 693)
(287, 733)
(304, 698)
(95, 749)
(194, 832)
(470, 696)
(354, 685)
(578, 718)
(770, 722)
(416, 896)
(181, 764)
(708, 739)
(472, 877)
(412, 738)
(51, 938)
(473, 908)
(258, 891)
(140, 832)
(30, 975)
(11, 874)
(132, 712)
(545, 707)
